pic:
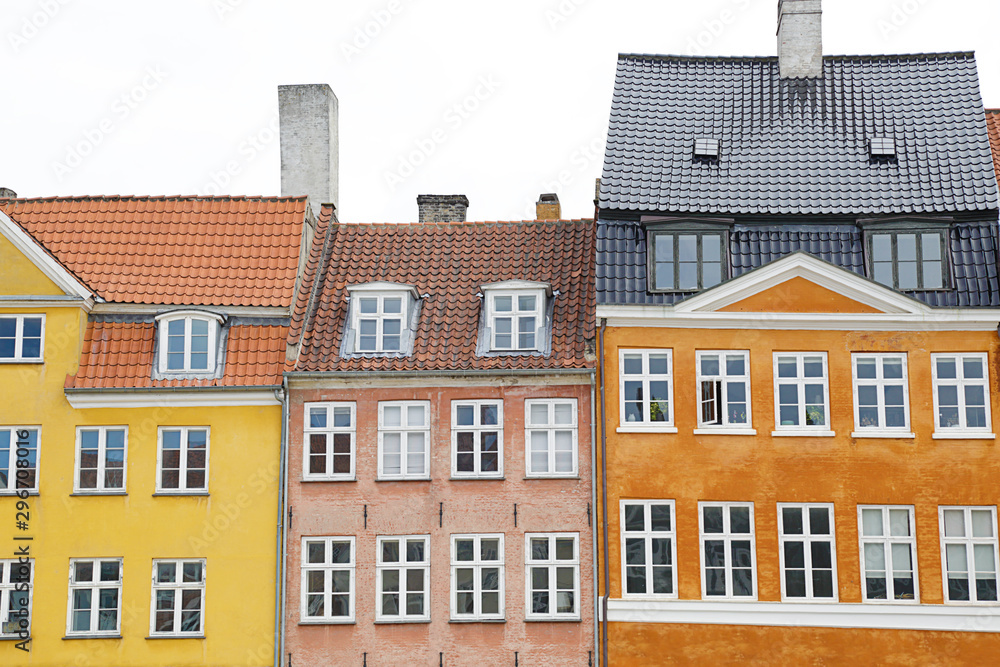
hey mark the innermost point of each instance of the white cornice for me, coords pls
(32, 301)
(192, 398)
(157, 309)
(942, 618)
(34, 251)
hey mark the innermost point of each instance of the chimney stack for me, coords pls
(310, 155)
(442, 208)
(7, 193)
(547, 207)
(800, 39)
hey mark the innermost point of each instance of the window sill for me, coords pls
(176, 637)
(555, 619)
(646, 429)
(16, 493)
(963, 435)
(99, 493)
(549, 477)
(902, 435)
(22, 361)
(453, 478)
(477, 620)
(329, 622)
(725, 431)
(313, 480)
(92, 637)
(803, 434)
(402, 479)
(180, 494)
(386, 621)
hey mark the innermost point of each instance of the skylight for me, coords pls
(883, 147)
(706, 147)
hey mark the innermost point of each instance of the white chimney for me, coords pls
(800, 39)
(310, 155)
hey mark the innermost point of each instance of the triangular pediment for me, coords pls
(801, 283)
(28, 269)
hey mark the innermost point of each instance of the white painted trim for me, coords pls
(899, 435)
(182, 488)
(551, 427)
(646, 429)
(881, 430)
(550, 564)
(888, 541)
(800, 382)
(925, 617)
(645, 377)
(969, 542)
(476, 429)
(724, 431)
(647, 534)
(803, 433)
(403, 566)
(439, 379)
(382, 286)
(172, 399)
(33, 250)
(808, 538)
(963, 435)
(404, 430)
(727, 537)
(960, 383)
(329, 431)
(156, 309)
(28, 301)
(517, 285)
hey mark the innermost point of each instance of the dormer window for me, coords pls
(686, 261)
(909, 260)
(516, 313)
(188, 341)
(382, 319)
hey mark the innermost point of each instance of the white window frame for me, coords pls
(720, 395)
(404, 430)
(19, 357)
(645, 377)
(880, 382)
(327, 568)
(178, 587)
(516, 315)
(800, 382)
(101, 488)
(551, 565)
(478, 565)
(969, 542)
(808, 538)
(647, 535)
(10, 582)
(380, 317)
(404, 567)
(182, 487)
(961, 429)
(477, 430)
(551, 428)
(727, 537)
(887, 541)
(213, 323)
(330, 431)
(95, 586)
(12, 469)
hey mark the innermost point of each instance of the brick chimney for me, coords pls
(800, 39)
(442, 208)
(547, 207)
(310, 155)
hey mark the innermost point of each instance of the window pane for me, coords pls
(791, 520)
(660, 517)
(688, 276)
(664, 276)
(899, 523)
(712, 519)
(871, 522)
(664, 245)
(526, 302)
(982, 523)
(819, 521)
(635, 518)
(739, 519)
(711, 274)
(906, 247)
(954, 523)
(503, 304)
(392, 306)
(368, 305)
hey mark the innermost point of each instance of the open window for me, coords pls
(188, 342)
(382, 319)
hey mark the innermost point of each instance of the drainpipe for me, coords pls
(604, 499)
(280, 562)
(593, 504)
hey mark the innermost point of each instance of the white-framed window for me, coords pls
(724, 389)
(182, 461)
(801, 392)
(649, 548)
(969, 553)
(728, 551)
(551, 437)
(515, 317)
(881, 393)
(379, 320)
(477, 439)
(329, 440)
(18, 459)
(22, 338)
(888, 553)
(95, 588)
(328, 580)
(403, 573)
(808, 552)
(188, 341)
(100, 458)
(404, 440)
(477, 577)
(552, 575)
(177, 608)
(647, 388)
(961, 393)
(16, 582)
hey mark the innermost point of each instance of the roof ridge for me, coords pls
(886, 56)
(157, 198)
(468, 223)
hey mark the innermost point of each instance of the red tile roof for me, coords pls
(449, 262)
(119, 355)
(222, 251)
(993, 127)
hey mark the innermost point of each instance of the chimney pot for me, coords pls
(547, 207)
(800, 39)
(7, 193)
(442, 208)
(310, 156)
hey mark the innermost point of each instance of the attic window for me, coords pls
(706, 147)
(188, 341)
(516, 319)
(882, 147)
(382, 319)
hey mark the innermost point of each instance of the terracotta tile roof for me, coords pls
(235, 251)
(119, 355)
(449, 262)
(993, 126)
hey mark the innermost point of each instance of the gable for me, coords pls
(798, 295)
(20, 277)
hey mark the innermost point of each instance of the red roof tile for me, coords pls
(449, 262)
(119, 355)
(221, 251)
(993, 127)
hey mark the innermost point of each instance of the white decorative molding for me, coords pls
(83, 400)
(629, 428)
(941, 618)
(158, 308)
(963, 435)
(38, 256)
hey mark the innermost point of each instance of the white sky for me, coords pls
(180, 97)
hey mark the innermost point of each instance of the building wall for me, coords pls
(415, 508)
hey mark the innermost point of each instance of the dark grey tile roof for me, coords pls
(798, 146)
(621, 259)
